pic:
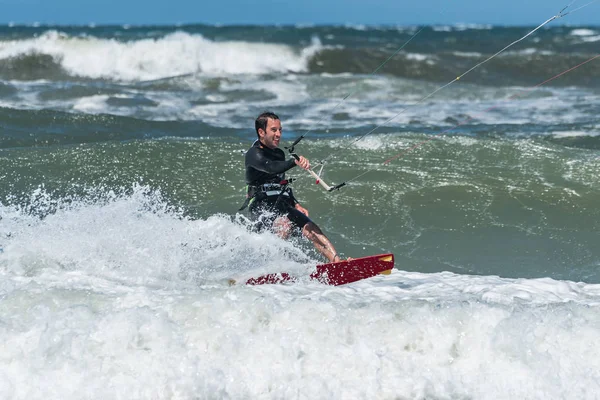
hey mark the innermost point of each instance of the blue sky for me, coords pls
(395, 12)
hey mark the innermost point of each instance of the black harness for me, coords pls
(266, 190)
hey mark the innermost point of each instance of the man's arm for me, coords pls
(256, 160)
(303, 210)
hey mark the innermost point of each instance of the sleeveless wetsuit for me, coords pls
(268, 194)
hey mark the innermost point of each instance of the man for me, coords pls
(271, 202)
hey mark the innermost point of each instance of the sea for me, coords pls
(122, 174)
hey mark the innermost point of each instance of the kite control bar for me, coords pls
(318, 178)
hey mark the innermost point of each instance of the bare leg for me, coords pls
(315, 235)
(282, 227)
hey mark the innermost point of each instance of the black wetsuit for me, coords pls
(268, 195)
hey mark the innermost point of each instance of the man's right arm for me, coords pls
(256, 160)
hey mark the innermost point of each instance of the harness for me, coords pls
(266, 190)
(274, 189)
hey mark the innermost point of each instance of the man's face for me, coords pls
(271, 136)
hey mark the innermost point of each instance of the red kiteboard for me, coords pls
(339, 273)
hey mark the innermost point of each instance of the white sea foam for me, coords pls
(574, 133)
(374, 100)
(590, 39)
(527, 52)
(465, 26)
(124, 298)
(420, 57)
(442, 28)
(467, 54)
(461, 27)
(174, 54)
(91, 104)
(358, 27)
(583, 32)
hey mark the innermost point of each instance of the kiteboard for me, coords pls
(338, 273)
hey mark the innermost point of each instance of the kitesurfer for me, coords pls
(270, 200)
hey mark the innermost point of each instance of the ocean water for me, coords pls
(121, 175)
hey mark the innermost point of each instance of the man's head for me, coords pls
(268, 129)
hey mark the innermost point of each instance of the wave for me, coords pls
(146, 55)
(36, 227)
(97, 296)
(526, 67)
(53, 54)
(109, 231)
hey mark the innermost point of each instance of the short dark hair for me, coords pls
(262, 120)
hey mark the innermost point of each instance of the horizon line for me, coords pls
(12, 24)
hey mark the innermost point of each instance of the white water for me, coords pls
(125, 299)
(175, 54)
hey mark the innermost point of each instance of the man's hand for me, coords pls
(303, 162)
(301, 209)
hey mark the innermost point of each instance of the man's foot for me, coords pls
(338, 259)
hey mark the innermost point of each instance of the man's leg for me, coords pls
(315, 235)
(282, 227)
